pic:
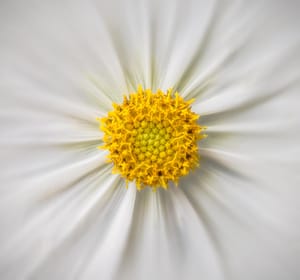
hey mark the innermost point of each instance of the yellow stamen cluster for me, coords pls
(152, 138)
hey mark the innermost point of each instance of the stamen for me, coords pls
(152, 138)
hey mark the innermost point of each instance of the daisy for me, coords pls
(183, 206)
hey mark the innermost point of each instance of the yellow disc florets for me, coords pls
(152, 138)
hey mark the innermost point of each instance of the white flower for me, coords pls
(63, 215)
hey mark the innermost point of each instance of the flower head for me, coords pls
(68, 67)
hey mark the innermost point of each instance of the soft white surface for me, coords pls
(63, 215)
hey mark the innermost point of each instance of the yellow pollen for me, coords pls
(152, 138)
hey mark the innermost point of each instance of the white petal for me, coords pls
(250, 210)
(63, 218)
(167, 234)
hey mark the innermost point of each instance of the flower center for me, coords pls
(152, 138)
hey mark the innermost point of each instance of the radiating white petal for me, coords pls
(110, 252)
(167, 234)
(250, 211)
(58, 222)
